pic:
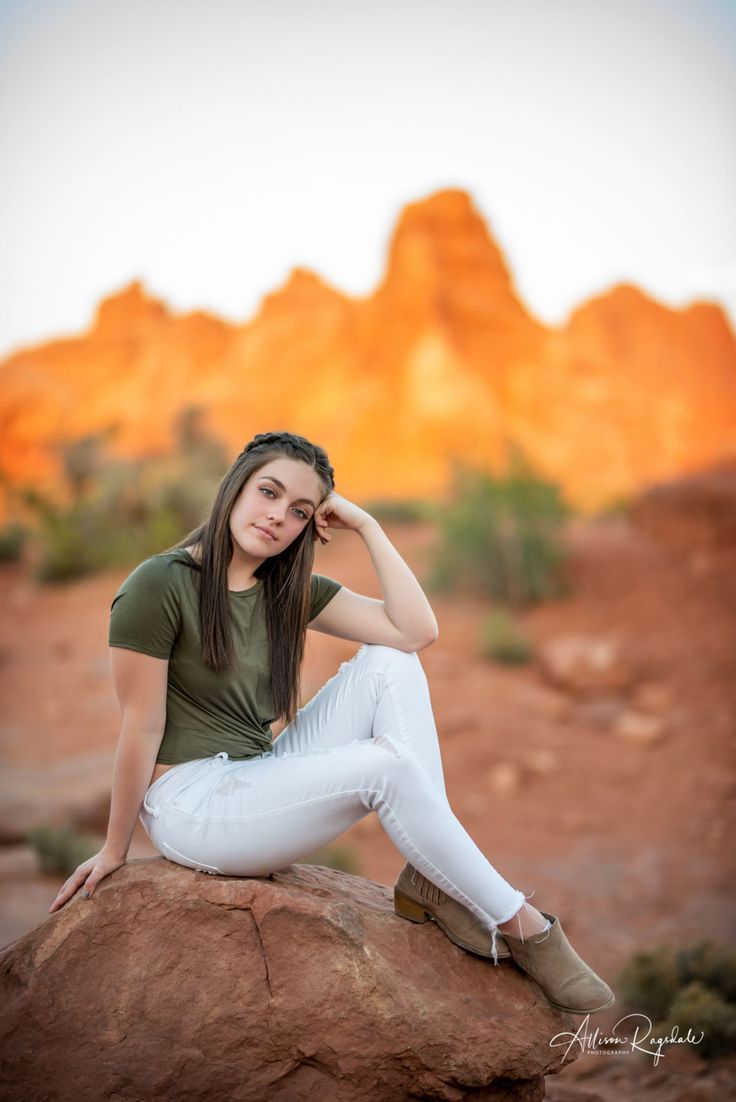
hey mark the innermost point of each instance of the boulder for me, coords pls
(696, 511)
(586, 665)
(169, 983)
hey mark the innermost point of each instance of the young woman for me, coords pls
(206, 644)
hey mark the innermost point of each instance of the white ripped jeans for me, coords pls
(366, 741)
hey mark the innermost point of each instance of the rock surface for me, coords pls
(694, 512)
(173, 984)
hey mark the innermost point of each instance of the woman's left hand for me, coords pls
(337, 512)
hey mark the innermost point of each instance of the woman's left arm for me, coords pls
(404, 618)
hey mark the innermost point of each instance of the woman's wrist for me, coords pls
(366, 524)
(115, 852)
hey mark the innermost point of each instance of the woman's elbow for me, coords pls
(428, 639)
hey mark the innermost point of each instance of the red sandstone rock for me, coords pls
(173, 984)
(691, 512)
(584, 663)
(444, 356)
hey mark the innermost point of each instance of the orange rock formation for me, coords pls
(442, 360)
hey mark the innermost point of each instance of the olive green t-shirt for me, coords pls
(156, 611)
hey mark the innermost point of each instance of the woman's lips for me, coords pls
(264, 532)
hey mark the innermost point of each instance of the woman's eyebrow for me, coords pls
(282, 487)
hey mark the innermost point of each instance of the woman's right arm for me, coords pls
(140, 683)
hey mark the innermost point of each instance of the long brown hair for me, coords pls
(286, 577)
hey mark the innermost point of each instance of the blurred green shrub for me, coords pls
(342, 857)
(61, 849)
(502, 535)
(691, 987)
(616, 507)
(12, 541)
(503, 641)
(121, 511)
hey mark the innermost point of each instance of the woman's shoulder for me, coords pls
(145, 613)
(160, 570)
(163, 561)
(177, 554)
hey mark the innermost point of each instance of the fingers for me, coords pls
(321, 526)
(84, 873)
(68, 889)
(91, 883)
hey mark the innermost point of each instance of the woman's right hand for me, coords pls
(89, 874)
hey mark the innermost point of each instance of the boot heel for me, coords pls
(407, 908)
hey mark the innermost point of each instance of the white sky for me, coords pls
(209, 147)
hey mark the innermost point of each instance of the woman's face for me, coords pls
(281, 497)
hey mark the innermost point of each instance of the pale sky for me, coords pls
(208, 147)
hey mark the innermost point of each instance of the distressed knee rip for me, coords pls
(387, 743)
(231, 785)
(393, 747)
(311, 751)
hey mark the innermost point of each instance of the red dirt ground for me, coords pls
(622, 832)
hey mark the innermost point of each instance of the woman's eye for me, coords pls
(300, 512)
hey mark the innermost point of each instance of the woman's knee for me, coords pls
(398, 778)
(395, 761)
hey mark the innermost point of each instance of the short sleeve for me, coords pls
(144, 615)
(323, 590)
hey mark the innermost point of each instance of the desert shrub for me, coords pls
(119, 511)
(715, 966)
(342, 857)
(690, 987)
(649, 981)
(61, 849)
(92, 535)
(12, 541)
(702, 1010)
(503, 641)
(501, 535)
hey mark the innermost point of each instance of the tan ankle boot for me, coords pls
(418, 899)
(565, 978)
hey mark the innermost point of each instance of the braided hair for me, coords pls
(296, 447)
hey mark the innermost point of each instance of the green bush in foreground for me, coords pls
(690, 987)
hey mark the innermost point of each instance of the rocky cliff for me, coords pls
(442, 360)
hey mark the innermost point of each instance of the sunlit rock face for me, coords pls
(442, 360)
